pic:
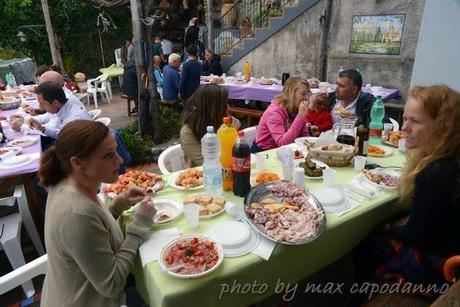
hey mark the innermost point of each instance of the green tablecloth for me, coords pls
(111, 71)
(287, 264)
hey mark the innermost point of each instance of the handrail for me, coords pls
(257, 15)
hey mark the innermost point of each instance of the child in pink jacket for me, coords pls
(275, 127)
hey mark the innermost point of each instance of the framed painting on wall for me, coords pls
(377, 34)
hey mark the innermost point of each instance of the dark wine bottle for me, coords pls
(362, 133)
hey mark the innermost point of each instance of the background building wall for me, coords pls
(438, 49)
(296, 48)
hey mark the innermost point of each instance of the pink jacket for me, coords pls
(275, 129)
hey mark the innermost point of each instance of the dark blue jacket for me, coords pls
(171, 83)
(190, 78)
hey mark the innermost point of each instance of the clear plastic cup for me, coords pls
(329, 177)
(359, 163)
(299, 176)
(260, 161)
(402, 145)
(287, 170)
(192, 215)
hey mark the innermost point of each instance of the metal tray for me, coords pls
(263, 191)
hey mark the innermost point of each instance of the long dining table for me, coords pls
(261, 92)
(228, 286)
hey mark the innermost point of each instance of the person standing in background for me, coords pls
(191, 35)
(167, 48)
(191, 72)
(171, 79)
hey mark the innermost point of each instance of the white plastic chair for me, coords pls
(23, 274)
(172, 160)
(105, 120)
(96, 86)
(395, 124)
(10, 238)
(95, 113)
(250, 134)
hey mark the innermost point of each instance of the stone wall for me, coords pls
(295, 48)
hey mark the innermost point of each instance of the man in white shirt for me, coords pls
(167, 47)
(51, 98)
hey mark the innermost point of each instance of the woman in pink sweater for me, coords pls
(276, 126)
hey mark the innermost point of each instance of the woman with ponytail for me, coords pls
(414, 248)
(88, 258)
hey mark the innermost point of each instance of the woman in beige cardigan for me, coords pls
(88, 258)
(207, 107)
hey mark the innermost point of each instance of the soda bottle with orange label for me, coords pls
(227, 135)
(241, 166)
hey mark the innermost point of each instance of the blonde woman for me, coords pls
(414, 248)
(284, 119)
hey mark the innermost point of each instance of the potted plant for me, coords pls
(270, 10)
(228, 13)
(246, 27)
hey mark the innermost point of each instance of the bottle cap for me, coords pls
(210, 129)
(227, 120)
(241, 133)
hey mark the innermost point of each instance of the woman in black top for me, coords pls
(414, 248)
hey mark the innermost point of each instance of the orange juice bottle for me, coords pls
(227, 135)
(247, 71)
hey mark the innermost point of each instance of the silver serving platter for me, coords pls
(263, 191)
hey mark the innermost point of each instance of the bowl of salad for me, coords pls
(191, 256)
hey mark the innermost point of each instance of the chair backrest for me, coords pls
(395, 124)
(105, 120)
(250, 134)
(172, 160)
(118, 57)
(95, 113)
(25, 273)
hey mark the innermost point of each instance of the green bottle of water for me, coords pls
(376, 124)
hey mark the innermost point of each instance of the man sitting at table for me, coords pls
(51, 98)
(348, 101)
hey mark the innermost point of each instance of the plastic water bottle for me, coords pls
(212, 169)
(376, 124)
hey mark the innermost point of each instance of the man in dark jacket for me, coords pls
(211, 64)
(348, 100)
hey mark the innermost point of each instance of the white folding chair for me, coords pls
(95, 113)
(105, 120)
(172, 160)
(10, 238)
(395, 124)
(96, 86)
(250, 134)
(23, 274)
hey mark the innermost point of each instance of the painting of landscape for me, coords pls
(377, 34)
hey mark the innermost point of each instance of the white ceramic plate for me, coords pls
(172, 183)
(15, 160)
(166, 249)
(382, 171)
(320, 164)
(333, 200)
(388, 152)
(171, 208)
(301, 141)
(237, 238)
(24, 142)
(209, 215)
(15, 149)
(156, 185)
(254, 175)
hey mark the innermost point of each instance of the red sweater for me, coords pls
(323, 120)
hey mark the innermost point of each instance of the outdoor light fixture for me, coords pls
(22, 36)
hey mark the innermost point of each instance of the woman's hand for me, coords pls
(134, 195)
(303, 108)
(146, 207)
